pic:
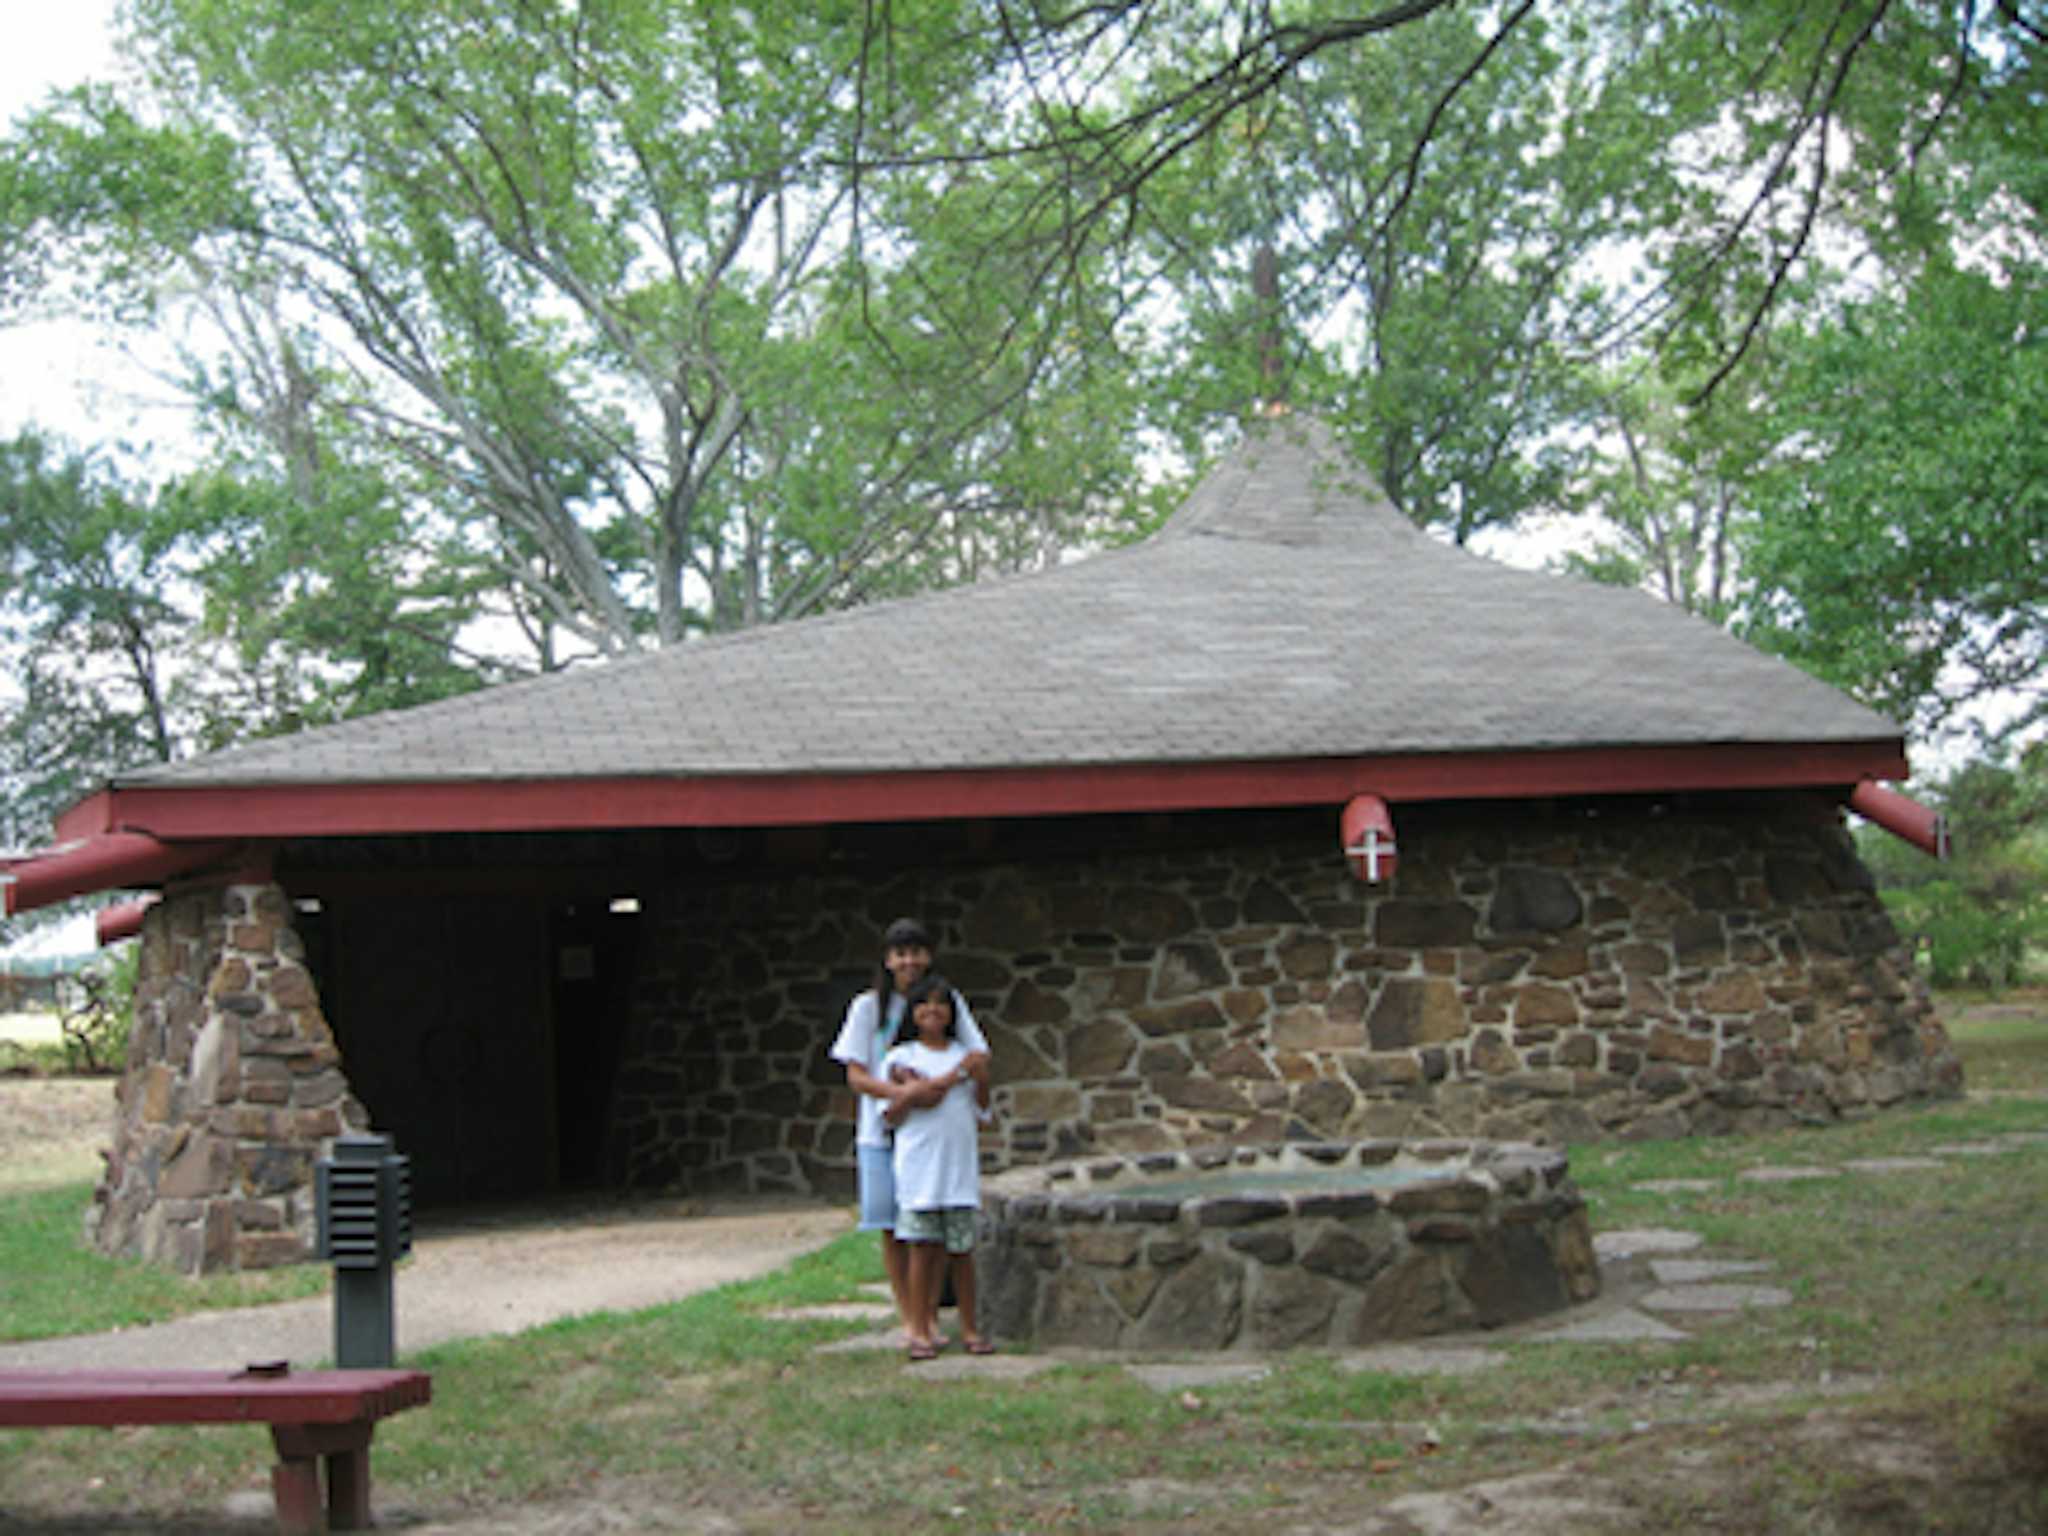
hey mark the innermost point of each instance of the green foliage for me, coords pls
(98, 1013)
(1982, 919)
(1900, 540)
(596, 293)
(151, 622)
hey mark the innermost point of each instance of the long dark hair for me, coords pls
(904, 933)
(929, 984)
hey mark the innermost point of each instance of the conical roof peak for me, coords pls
(1290, 482)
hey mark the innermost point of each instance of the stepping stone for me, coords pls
(863, 1343)
(1632, 1240)
(1416, 1360)
(834, 1311)
(1677, 1186)
(1178, 1377)
(1970, 1149)
(1892, 1164)
(1692, 1271)
(1790, 1174)
(1715, 1298)
(1616, 1325)
(2024, 1138)
(956, 1365)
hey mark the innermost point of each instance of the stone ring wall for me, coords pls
(1273, 1248)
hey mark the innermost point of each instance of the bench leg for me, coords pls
(296, 1479)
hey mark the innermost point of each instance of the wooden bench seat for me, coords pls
(311, 1414)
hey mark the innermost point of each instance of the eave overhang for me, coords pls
(179, 813)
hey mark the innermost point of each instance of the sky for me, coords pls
(59, 376)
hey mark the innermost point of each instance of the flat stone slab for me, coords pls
(1419, 1360)
(1617, 1325)
(1178, 1376)
(1677, 1186)
(1790, 1173)
(956, 1365)
(1632, 1240)
(1971, 1149)
(2024, 1138)
(834, 1312)
(1892, 1164)
(1714, 1298)
(1693, 1271)
(862, 1343)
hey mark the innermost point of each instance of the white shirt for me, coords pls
(860, 1041)
(938, 1150)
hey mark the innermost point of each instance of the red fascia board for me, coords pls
(814, 799)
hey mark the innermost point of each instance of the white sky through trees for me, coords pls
(62, 377)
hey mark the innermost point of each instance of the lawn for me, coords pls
(1903, 1389)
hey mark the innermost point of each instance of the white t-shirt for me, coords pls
(860, 1041)
(938, 1150)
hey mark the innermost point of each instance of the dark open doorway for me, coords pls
(594, 947)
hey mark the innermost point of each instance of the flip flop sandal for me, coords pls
(923, 1352)
(980, 1346)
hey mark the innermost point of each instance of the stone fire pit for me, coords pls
(1280, 1246)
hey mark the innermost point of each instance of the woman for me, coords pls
(874, 1021)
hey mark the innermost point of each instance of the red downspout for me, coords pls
(1902, 816)
(121, 921)
(104, 862)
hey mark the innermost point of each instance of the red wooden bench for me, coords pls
(311, 1414)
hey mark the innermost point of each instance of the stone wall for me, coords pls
(233, 1089)
(1595, 969)
(1279, 1247)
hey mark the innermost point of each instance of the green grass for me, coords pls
(52, 1284)
(1925, 1292)
(2003, 1050)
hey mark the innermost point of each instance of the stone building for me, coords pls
(1287, 822)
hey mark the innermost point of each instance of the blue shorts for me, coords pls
(877, 1189)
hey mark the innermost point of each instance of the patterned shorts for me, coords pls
(953, 1225)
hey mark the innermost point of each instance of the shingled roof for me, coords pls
(1287, 638)
(1286, 610)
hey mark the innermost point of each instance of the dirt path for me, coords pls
(485, 1272)
(524, 1269)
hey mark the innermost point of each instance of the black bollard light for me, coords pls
(362, 1202)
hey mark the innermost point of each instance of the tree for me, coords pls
(1780, 116)
(148, 623)
(594, 282)
(1900, 542)
(1669, 486)
(1421, 316)
(1978, 919)
(83, 571)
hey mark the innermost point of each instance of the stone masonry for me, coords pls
(1560, 974)
(1300, 1244)
(233, 1089)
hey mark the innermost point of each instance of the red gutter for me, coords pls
(1902, 816)
(819, 799)
(111, 925)
(101, 862)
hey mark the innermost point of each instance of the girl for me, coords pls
(873, 1022)
(937, 1165)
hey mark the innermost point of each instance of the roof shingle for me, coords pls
(1285, 611)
